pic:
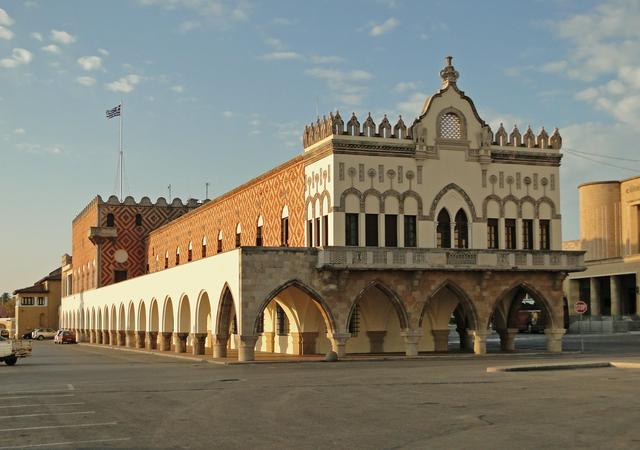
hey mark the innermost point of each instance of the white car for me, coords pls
(43, 333)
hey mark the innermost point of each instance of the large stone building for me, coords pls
(38, 306)
(610, 235)
(374, 239)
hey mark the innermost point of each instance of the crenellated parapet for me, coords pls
(334, 125)
(146, 201)
(527, 140)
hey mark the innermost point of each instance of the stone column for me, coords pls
(554, 339)
(480, 341)
(122, 340)
(339, 343)
(92, 337)
(105, 337)
(376, 341)
(508, 339)
(140, 335)
(220, 345)
(469, 339)
(130, 339)
(246, 351)
(99, 337)
(411, 338)
(165, 341)
(304, 343)
(615, 296)
(113, 337)
(441, 340)
(198, 340)
(269, 340)
(151, 341)
(180, 340)
(594, 288)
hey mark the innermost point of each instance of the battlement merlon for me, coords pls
(144, 202)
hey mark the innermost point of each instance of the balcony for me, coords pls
(374, 258)
(98, 235)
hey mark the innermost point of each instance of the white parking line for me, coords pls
(32, 396)
(47, 427)
(70, 387)
(47, 414)
(42, 404)
(51, 444)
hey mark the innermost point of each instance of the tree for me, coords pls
(8, 308)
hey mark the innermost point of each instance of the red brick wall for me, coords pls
(83, 251)
(266, 195)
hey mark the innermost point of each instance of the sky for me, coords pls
(219, 91)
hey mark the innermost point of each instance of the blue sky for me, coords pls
(218, 91)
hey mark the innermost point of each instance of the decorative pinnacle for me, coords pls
(449, 74)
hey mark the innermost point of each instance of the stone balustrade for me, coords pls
(367, 258)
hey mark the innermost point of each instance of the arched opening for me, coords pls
(284, 227)
(142, 317)
(111, 222)
(293, 320)
(443, 230)
(376, 320)
(113, 324)
(154, 319)
(259, 226)
(168, 324)
(238, 235)
(461, 230)
(204, 323)
(122, 326)
(518, 315)
(177, 256)
(184, 325)
(226, 325)
(448, 311)
(219, 247)
(204, 246)
(190, 252)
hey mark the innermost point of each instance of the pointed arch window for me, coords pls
(259, 232)
(461, 230)
(220, 236)
(238, 235)
(282, 321)
(166, 260)
(111, 221)
(284, 227)
(443, 230)
(204, 246)
(190, 252)
(177, 256)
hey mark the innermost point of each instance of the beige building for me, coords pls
(378, 237)
(610, 235)
(38, 306)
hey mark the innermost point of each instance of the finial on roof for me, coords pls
(449, 74)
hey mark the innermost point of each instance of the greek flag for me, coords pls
(113, 112)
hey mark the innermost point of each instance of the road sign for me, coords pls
(581, 307)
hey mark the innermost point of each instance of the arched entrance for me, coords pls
(184, 325)
(141, 325)
(203, 338)
(122, 326)
(520, 312)
(131, 326)
(448, 310)
(226, 325)
(154, 326)
(376, 321)
(293, 320)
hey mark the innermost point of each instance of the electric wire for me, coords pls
(600, 156)
(578, 155)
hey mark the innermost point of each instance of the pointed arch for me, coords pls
(459, 190)
(226, 311)
(375, 193)
(345, 194)
(551, 204)
(412, 194)
(131, 317)
(184, 314)
(315, 296)
(122, 324)
(464, 300)
(99, 324)
(443, 229)
(141, 322)
(461, 229)
(485, 205)
(154, 316)
(168, 322)
(508, 295)
(203, 313)
(512, 198)
(399, 307)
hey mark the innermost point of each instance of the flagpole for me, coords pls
(121, 155)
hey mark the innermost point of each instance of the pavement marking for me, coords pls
(32, 396)
(47, 414)
(42, 404)
(36, 392)
(47, 427)
(51, 444)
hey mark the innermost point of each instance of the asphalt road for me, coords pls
(77, 396)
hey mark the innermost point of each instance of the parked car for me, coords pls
(11, 350)
(43, 333)
(4, 333)
(68, 337)
(28, 335)
(58, 336)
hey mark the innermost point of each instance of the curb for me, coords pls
(146, 352)
(549, 367)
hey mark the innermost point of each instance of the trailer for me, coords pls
(12, 349)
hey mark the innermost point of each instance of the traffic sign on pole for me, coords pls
(581, 307)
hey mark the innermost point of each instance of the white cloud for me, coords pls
(178, 88)
(37, 36)
(19, 57)
(86, 81)
(5, 33)
(274, 42)
(211, 11)
(338, 76)
(319, 59)
(189, 25)
(62, 37)
(90, 63)
(5, 19)
(404, 86)
(124, 84)
(347, 86)
(103, 52)
(411, 106)
(51, 48)
(19, 131)
(280, 56)
(384, 27)
(228, 114)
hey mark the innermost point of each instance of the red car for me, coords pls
(65, 337)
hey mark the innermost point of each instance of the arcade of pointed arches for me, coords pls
(294, 319)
